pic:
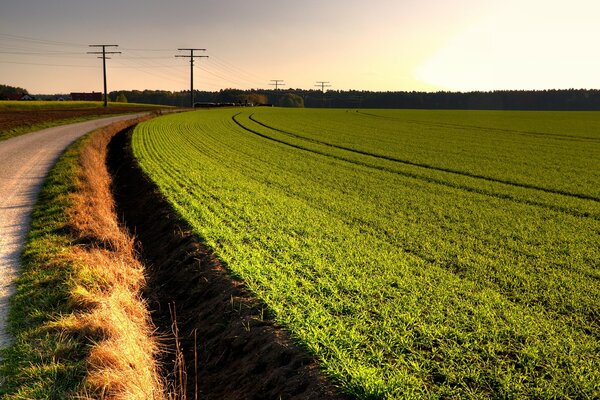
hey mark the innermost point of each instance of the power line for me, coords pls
(223, 78)
(237, 70)
(234, 74)
(277, 83)
(45, 53)
(39, 41)
(227, 75)
(45, 64)
(149, 70)
(25, 50)
(146, 49)
(146, 58)
(191, 57)
(104, 53)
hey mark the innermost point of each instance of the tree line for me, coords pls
(568, 99)
(7, 89)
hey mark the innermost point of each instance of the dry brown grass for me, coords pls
(107, 288)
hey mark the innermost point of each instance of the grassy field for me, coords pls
(426, 254)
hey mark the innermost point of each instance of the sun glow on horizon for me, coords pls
(521, 45)
(383, 45)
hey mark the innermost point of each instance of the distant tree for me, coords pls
(253, 98)
(291, 100)
(7, 89)
(229, 95)
(121, 98)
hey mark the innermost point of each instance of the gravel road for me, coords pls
(24, 163)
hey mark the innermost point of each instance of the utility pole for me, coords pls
(323, 85)
(277, 83)
(104, 53)
(191, 57)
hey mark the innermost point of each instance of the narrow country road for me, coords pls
(24, 163)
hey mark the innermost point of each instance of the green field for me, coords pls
(417, 254)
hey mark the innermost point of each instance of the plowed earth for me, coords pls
(11, 119)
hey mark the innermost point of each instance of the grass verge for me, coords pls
(80, 325)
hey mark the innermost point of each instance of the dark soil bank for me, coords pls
(239, 354)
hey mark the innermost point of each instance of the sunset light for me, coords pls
(383, 45)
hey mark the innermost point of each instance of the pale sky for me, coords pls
(355, 44)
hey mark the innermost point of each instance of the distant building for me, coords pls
(204, 105)
(94, 96)
(16, 96)
(12, 96)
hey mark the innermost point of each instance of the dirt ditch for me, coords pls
(232, 350)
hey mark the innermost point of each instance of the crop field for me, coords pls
(416, 254)
(61, 105)
(20, 117)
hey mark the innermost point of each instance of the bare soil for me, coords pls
(11, 119)
(232, 349)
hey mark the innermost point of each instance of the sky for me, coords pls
(382, 45)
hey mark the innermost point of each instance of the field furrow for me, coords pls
(430, 166)
(468, 182)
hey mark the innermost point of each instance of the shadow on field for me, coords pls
(230, 347)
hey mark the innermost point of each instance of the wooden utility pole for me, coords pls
(277, 83)
(191, 56)
(103, 57)
(323, 85)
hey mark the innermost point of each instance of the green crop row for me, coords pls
(426, 259)
(554, 151)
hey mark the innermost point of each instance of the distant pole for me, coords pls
(103, 57)
(323, 85)
(191, 57)
(277, 83)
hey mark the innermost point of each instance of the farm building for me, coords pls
(94, 96)
(16, 96)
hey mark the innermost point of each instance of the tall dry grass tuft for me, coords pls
(177, 389)
(107, 288)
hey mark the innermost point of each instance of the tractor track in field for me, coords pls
(555, 136)
(231, 350)
(427, 179)
(433, 167)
